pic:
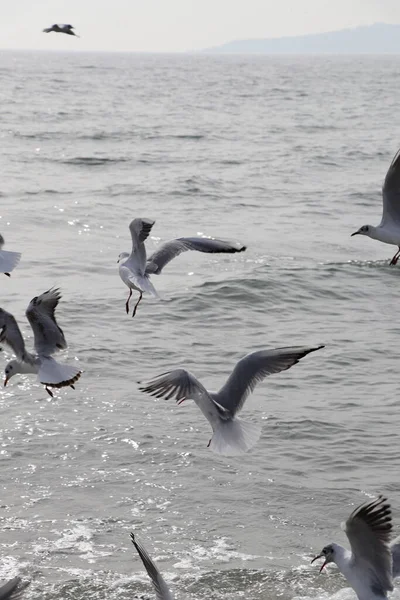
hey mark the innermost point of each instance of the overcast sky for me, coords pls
(178, 25)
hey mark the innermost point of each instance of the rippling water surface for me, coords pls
(287, 156)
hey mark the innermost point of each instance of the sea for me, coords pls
(286, 155)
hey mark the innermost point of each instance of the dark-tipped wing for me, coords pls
(6, 590)
(11, 335)
(161, 588)
(182, 385)
(170, 250)
(140, 230)
(253, 368)
(391, 193)
(49, 337)
(369, 529)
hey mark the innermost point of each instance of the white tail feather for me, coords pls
(54, 374)
(144, 284)
(8, 261)
(234, 437)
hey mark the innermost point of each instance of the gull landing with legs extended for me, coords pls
(135, 268)
(48, 339)
(388, 231)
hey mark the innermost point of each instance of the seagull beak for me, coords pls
(6, 381)
(355, 233)
(320, 556)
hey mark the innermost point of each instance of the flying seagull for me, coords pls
(231, 436)
(135, 268)
(48, 338)
(160, 587)
(388, 230)
(368, 565)
(6, 590)
(8, 260)
(68, 29)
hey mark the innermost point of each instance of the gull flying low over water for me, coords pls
(160, 587)
(372, 561)
(388, 230)
(135, 268)
(48, 338)
(68, 29)
(8, 590)
(8, 260)
(231, 436)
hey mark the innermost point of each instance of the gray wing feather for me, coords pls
(161, 588)
(391, 192)
(182, 385)
(11, 335)
(369, 529)
(395, 548)
(49, 337)
(6, 590)
(170, 250)
(253, 368)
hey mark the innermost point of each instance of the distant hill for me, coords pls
(379, 38)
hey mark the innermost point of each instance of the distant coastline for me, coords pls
(379, 38)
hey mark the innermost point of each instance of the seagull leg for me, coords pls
(208, 445)
(49, 391)
(127, 302)
(395, 257)
(137, 304)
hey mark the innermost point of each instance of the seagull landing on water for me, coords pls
(7, 590)
(388, 230)
(160, 587)
(231, 436)
(8, 260)
(368, 565)
(135, 268)
(48, 338)
(68, 29)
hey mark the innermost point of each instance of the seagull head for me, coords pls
(12, 368)
(328, 553)
(364, 230)
(122, 256)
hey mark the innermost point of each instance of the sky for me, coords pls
(178, 25)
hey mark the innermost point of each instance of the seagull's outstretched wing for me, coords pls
(368, 529)
(140, 231)
(6, 590)
(182, 385)
(254, 368)
(161, 588)
(49, 337)
(170, 250)
(391, 193)
(395, 549)
(11, 335)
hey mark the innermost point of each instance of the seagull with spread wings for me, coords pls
(48, 338)
(8, 260)
(160, 587)
(368, 565)
(57, 28)
(135, 269)
(231, 436)
(388, 231)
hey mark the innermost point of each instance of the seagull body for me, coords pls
(231, 436)
(135, 269)
(368, 565)
(6, 590)
(388, 231)
(160, 587)
(48, 338)
(68, 29)
(8, 260)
